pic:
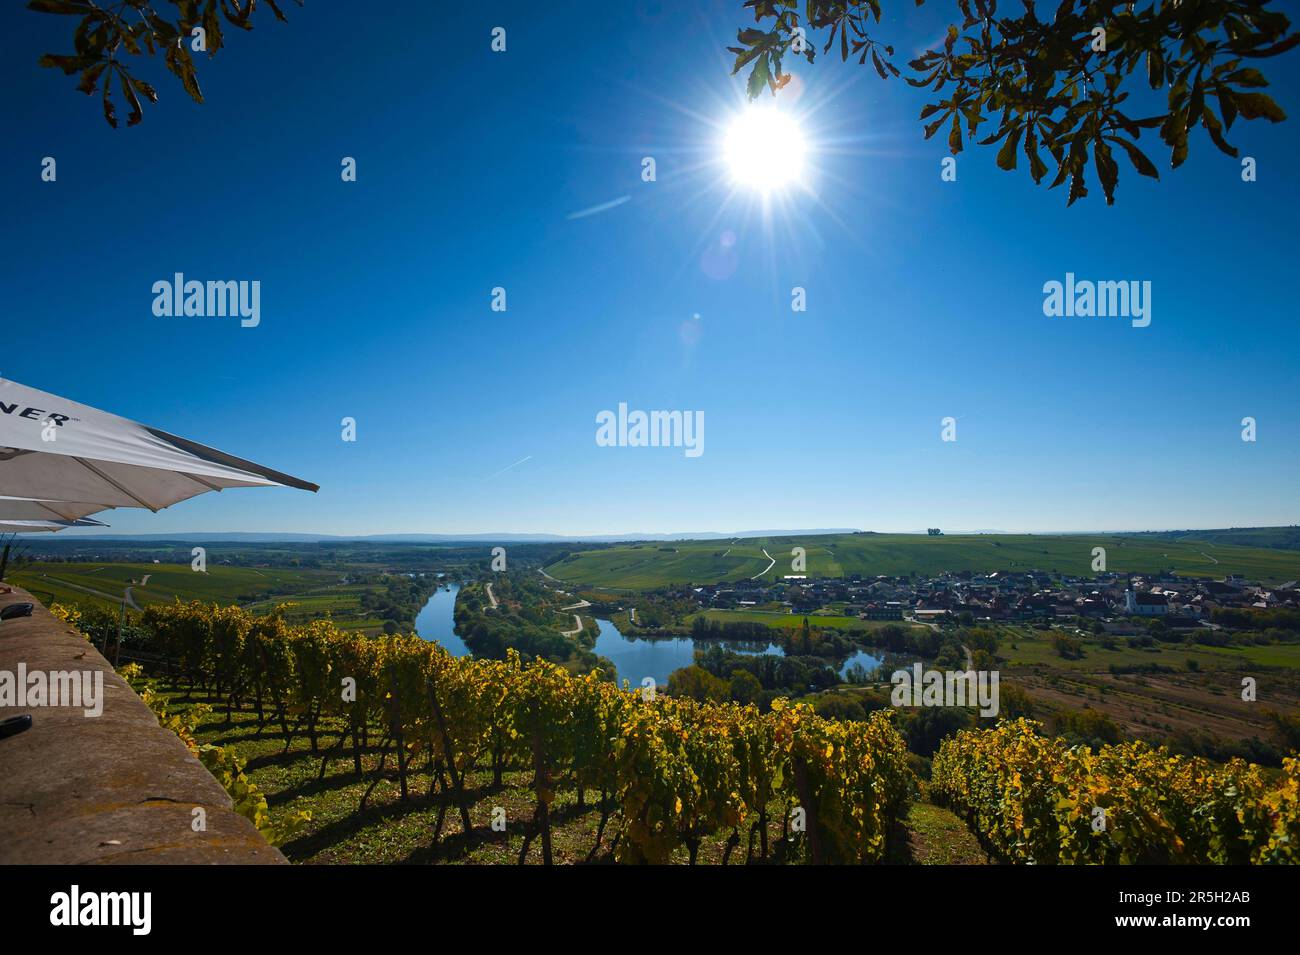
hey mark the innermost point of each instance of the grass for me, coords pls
(934, 836)
(1034, 648)
(646, 566)
(315, 593)
(104, 583)
(342, 604)
(795, 620)
(1272, 655)
(1178, 700)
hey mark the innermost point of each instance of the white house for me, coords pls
(1146, 604)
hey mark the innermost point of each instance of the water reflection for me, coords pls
(437, 620)
(639, 657)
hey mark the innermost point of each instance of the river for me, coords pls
(644, 657)
(635, 659)
(437, 620)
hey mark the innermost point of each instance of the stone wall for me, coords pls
(116, 788)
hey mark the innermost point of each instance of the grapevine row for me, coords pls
(675, 771)
(1034, 799)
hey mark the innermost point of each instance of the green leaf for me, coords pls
(1227, 105)
(1247, 77)
(136, 113)
(758, 77)
(1107, 170)
(74, 7)
(1155, 69)
(1215, 129)
(144, 89)
(90, 77)
(179, 62)
(212, 27)
(743, 57)
(68, 64)
(1273, 50)
(1037, 168)
(1196, 103)
(1140, 162)
(1077, 163)
(1256, 105)
(110, 112)
(880, 67)
(1174, 133)
(1007, 154)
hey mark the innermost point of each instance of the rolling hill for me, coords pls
(645, 566)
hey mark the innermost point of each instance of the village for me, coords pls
(1113, 602)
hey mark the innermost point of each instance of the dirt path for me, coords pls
(130, 600)
(934, 836)
(767, 568)
(491, 596)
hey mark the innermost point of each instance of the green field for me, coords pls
(651, 565)
(103, 584)
(341, 603)
(794, 620)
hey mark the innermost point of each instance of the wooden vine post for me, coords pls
(457, 781)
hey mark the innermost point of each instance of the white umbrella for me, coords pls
(26, 509)
(54, 450)
(35, 527)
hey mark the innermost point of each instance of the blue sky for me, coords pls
(924, 297)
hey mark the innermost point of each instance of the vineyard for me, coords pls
(1033, 799)
(665, 773)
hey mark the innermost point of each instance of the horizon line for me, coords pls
(88, 533)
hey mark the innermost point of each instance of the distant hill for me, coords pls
(501, 537)
(655, 564)
(1281, 538)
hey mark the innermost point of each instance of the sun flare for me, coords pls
(764, 149)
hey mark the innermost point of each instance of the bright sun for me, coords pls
(764, 149)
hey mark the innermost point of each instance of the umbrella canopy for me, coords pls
(52, 450)
(36, 527)
(25, 509)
